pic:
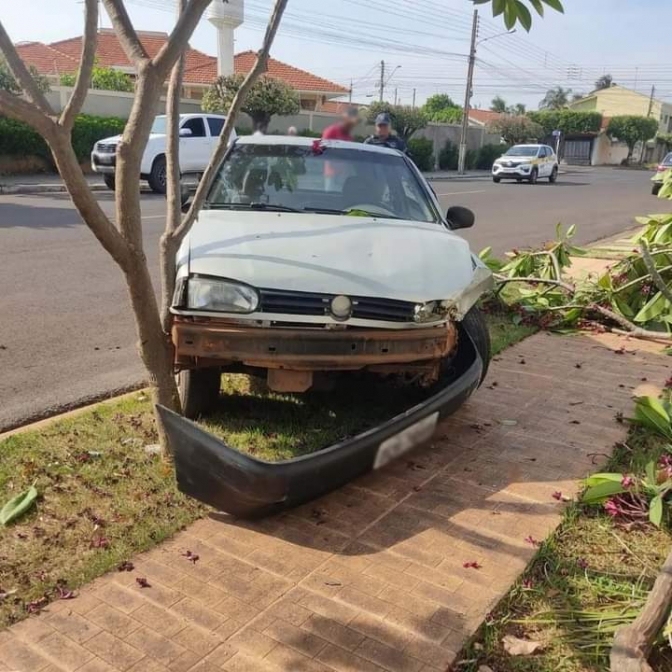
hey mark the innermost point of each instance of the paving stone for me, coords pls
(113, 651)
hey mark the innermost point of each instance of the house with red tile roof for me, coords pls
(62, 57)
(483, 117)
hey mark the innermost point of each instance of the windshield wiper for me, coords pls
(351, 212)
(271, 207)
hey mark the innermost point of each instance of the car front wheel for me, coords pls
(475, 325)
(553, 177)
(496, 180)
(534, 176)
(199, 391)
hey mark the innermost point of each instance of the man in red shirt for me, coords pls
(341, 130)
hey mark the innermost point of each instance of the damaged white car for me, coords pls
(313, 258)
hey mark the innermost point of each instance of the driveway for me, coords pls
(67, 336)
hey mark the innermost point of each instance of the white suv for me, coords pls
(199, 135)
(526, 162)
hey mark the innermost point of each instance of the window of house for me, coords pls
(196, 126)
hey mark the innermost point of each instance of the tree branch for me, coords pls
(653, 271)
(185, 26)
(22, 74)
(126, 34)
(537, 281)
(83, 83)
(21, 110)
(236, 104)
(630, 328)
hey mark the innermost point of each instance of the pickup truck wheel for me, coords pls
(158, 176)
(199, 391)
(110, 182)
(476, 326)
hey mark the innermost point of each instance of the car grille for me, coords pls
(307, 303)
(106, 148)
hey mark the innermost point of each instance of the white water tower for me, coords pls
(226, 17)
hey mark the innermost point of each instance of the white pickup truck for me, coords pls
(199, 135)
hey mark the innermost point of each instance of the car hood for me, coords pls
(331, 254)
(516, 159)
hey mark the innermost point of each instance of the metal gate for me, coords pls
(577, 152)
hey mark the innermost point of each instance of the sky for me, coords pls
(422, 42)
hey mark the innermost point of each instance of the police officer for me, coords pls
(384, 136)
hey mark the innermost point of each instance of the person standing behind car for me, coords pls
(383, 135)
(341, 130)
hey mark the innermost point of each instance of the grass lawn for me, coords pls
(103, 497)
(589, 578)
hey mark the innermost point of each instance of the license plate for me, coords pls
(406, 440)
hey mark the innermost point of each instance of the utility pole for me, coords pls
(413, 98)
(653, 93)
(382, 80)
(467, 97)
(395, 95)
(350, 96)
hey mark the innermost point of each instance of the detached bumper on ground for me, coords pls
(214, 473)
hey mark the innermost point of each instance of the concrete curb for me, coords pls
(10, 189)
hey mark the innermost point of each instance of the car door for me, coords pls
(194, 145)
(544, 162)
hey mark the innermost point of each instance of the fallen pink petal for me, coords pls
(142, 582)
(472, 565)
(532, 541)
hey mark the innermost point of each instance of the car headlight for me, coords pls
(221, 295)
(525, 166)
(431, 311)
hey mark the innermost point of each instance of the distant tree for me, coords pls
(104, 79)
(569, 122)
(441, 107)
(518, 109)
(632, 129)
(267, 97)
(555, 99)
(577, 96)
(604, 82)
(406, 120)
(515, 130)
(9, 84)
(498, 104)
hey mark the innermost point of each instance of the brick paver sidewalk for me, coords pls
(370, 578)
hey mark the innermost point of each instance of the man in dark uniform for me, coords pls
(384, 136)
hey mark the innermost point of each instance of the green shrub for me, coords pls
(470, 159)
(307, 133)
(448, 156)
(18, 139)
(487, 154)
(421, 150)
(570, 122)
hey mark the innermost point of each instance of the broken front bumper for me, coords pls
(216, 474)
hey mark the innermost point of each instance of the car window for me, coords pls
(542, 152)
(328, 181)
(668, 159)
(196, 126)
(216, 125)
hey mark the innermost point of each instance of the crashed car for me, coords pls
(662, 173)
(318, 259)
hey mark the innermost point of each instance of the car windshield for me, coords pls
(667, 161)
(326, 180)
(521, 150)
(159, 125)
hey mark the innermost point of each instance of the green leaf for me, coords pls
(558, 230)
(656, 511)
(556, 5)
(602, 491)
(650, 471)
(596, 479)
(653, 308)
(538, 6)
(18, 505)
(498, 6)
(651, 413)
(524, 16)
(571, 231)
(510, 15)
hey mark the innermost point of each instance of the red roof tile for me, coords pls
(484, 116)
(200, 68)
(338, 106)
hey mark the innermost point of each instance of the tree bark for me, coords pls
(633, 642)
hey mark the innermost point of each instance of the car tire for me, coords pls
(496, 180)
(158, 175)
(475, 325)
(553, 177)
(199, 391)
(534, 176)
(110, 182)
(655, 189)
(519, 180)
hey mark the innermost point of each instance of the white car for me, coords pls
(526, 162)
(316, 257)
(199, 135)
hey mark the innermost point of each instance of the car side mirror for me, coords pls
(460, 218)
(185, 133)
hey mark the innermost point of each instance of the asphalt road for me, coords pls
(66, 332)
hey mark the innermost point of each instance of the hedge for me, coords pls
(480, 159)
(19, 139)
(421, 150)
(570, 122)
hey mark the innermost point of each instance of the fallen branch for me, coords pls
(502, 280)
(653, 271)
(633, 642)
(629, 328)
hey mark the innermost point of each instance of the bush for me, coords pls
(307, 133)
(18, 139)
(570, 122)
(421, 150)
(487, 154)
(448, 156)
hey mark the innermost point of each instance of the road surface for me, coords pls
(66, 332)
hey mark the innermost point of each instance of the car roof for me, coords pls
(536, 146)
(298, 141)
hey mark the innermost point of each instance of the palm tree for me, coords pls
(604, 82)
(555, 99)
(498, 104)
